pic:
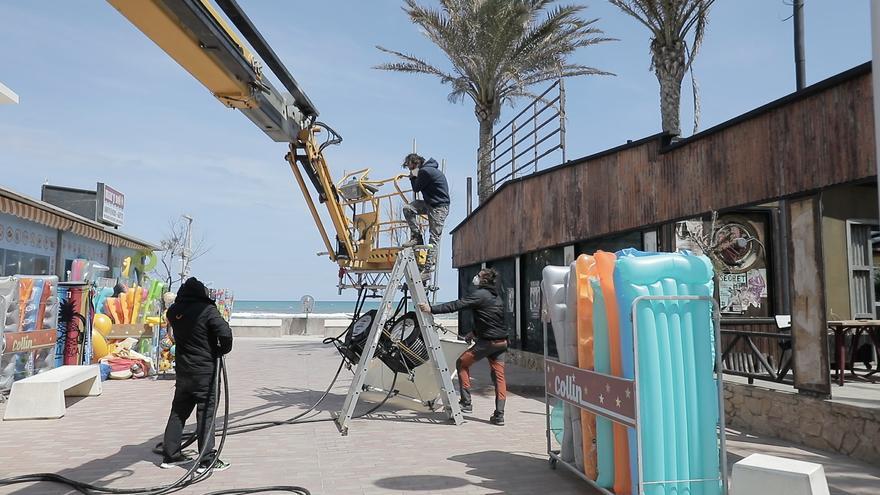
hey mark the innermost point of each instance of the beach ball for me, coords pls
(99, 345)
(102, 324)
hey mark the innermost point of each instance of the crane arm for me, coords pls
(197, 37)
(194, 34)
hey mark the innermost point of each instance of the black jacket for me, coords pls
(200, 333)
(431, 183)
(488, 312)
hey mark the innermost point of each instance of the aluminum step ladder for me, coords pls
(405, 268)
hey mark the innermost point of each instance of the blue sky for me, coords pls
(100, 102)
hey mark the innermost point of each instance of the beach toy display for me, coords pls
(121, 325)
(224, 300)
(74, 340)
(136, 305)
(667, 357)
(28, 315)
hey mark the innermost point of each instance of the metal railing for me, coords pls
(754, 348)
(534, 133)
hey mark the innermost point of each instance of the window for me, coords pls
(19, 263)
(860, 253)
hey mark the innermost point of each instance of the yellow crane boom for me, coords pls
(192, 32)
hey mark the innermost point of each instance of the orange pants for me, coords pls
(494, 350)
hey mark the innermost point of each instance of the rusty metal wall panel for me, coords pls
(809, 328)
(796, 147)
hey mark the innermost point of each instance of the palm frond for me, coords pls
(497, 48)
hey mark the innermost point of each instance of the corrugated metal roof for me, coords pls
(52, 216)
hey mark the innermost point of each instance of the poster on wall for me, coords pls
(730, 289)
(737, 245)
(535, 298)
(739, 292)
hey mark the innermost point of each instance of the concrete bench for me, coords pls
(42, 396)
(759, 473)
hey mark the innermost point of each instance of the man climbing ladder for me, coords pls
(426, 178)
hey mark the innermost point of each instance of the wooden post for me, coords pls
(809, 328)
(470, 195)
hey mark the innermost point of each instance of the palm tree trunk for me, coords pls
(669, 66)
(484, 159)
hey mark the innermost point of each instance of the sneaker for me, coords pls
(176, 461)
(466, 407)
(413, 241)
(497, 419)
(219, 465)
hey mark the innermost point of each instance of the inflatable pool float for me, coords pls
(678, 402)
(553, 288)
(580, 302)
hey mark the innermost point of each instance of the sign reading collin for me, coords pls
(111, 205)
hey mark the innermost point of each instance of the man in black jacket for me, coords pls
(201, 336)
(426, 178)
(490, 335)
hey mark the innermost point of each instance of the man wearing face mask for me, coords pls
(427, 179)
(490, 335)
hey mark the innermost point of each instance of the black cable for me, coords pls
(191, 477)
(297, 421)
(245, 491)
(182, 482)
(333, 137)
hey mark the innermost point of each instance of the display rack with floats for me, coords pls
(28, 322)
(637, 406)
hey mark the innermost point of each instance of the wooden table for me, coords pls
(857, 328)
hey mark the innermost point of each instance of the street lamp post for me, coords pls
(186, 253)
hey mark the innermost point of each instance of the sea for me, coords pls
(277, 309)
(295, 307)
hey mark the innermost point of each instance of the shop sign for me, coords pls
(111, 204)
(308, 304)
(28, 341)
(609, 396)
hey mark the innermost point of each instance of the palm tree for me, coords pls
(670, 23)
(498, 49)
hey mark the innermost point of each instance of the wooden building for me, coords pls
(797, 174)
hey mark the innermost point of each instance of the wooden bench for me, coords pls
(42, 396)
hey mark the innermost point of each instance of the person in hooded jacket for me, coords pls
(426, 178)
(202, 336)
(490, 335)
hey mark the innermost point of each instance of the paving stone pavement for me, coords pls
(108, 439)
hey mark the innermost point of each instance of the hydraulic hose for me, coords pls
(182, 482)
(189, 478)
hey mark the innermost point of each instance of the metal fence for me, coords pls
(536, 132)
(756, 349)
